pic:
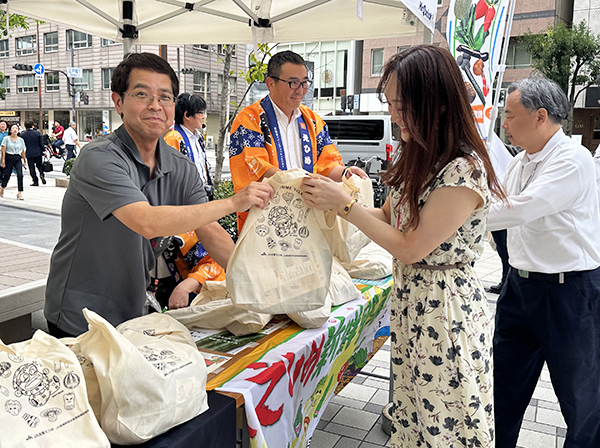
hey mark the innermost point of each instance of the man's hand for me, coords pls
(356, 170)
(255, 193)
(180, 296)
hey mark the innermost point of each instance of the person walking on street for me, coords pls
(71, 140)
(549, 308)
(34, 149)
(13, 155)
(3, 133)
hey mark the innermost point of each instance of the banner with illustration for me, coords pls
(288, 388)
(475, 29)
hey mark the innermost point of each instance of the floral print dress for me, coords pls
(441, 332)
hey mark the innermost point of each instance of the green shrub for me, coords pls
(229, 222)
(69, 166)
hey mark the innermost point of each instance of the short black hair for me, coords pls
(28, 124)
(278, 59)
(192, 104)
(119, 82)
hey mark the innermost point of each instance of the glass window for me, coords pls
(52, 82)
(106, 77)
(232, 84)
(77, 39)
(6, 84)
(201, 82)
(4, 48)
(402, 48)
(376, 61)
(25, 45)
(204, 47)
(26, 84)
(355, 129)
(86, 82)
(51, 42)
(107, 42)
(221, 49)
(517, 56)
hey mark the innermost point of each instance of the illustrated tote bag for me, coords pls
(44, 398)
(147, 384)
(281, 263)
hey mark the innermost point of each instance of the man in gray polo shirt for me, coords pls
(126, 189)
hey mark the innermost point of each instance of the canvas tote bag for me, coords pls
(281, 263)
(344, 238)
(148, 384)
(212, 309)
(44, 398)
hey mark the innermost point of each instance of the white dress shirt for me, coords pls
(70, 136)
(198, 152)
(597, 165)
(290, 137)
(553, 216)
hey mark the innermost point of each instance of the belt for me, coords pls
(444, 267)
(540, 276)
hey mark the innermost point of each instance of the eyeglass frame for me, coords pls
(151, 99)
(307, 83)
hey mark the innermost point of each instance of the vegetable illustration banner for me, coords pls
(475, 31)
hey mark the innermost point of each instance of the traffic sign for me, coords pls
(38, 69)
(74, 72)
(38, 76)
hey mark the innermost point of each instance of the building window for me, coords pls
(517, 56)
(6, 84)
(25, 45)
(232, 84)
(52, 82)
(204, 47)
(107, 42)
(4, 48)
(401, 49)
(26, 84)
(76, 39)
(376, 61)
(221, 50)
(201, 82)
(51, 42)
(106, 77)
(86, 82)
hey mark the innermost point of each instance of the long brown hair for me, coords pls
(438, 117)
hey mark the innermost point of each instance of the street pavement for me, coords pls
(353, 418)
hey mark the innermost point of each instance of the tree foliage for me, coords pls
(570, 56)
(14, 21)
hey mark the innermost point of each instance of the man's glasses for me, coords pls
(163, 100)
(295, 84)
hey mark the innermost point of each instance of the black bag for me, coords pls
(47, 166)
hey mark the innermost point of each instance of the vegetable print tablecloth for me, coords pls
(292, 378)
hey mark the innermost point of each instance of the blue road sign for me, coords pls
(39, 69)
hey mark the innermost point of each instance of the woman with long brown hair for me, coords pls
(433, 223)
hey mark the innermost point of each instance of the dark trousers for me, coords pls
(35, 162)
(13, 161)
(539, 321)
(70, 152)
(499, 237)
(53, 330)
(57, 144)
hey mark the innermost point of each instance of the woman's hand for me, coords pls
(323, 193)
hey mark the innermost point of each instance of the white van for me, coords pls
(363, 136)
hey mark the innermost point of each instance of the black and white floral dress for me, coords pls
(441, 332)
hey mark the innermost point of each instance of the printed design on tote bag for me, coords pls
(165, 361)
(34, 383)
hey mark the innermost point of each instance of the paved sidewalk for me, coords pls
(353, 418)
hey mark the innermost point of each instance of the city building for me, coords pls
(88, 99)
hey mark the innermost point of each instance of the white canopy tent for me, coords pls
(231, 21)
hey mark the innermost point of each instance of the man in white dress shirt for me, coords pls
(549, 308)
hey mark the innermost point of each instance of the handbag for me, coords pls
(47, 166)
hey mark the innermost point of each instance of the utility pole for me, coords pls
(40, 122)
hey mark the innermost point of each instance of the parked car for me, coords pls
(363, 136)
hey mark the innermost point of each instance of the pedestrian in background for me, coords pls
(58, 131)
(71, 140)
(549, 308)
(3, 133)
(34, 150)
(13, 155)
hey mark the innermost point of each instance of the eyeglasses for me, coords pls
(143, 97)
(295, 84)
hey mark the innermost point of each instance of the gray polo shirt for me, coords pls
(98, 262)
